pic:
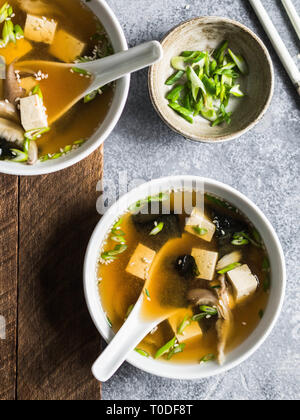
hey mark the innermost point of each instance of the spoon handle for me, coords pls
(129, 336)
(118, 65)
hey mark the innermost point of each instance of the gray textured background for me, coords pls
(263, 164)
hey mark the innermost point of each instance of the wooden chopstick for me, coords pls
(277, 42)
(293, 15)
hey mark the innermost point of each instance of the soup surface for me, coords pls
(64, 31)
(204, 270)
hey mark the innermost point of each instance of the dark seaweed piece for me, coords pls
(186, 266)
(5, 152)
(226, 226)
(144, 224)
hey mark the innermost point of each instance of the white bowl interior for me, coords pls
(117, 37)
(248, 347)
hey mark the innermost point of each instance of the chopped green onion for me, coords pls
(80, 71)
(240, 62)
(174, 94)
(229, 268)
(109, 321)
(185, 323)
(208, 310)
(198, 317)
(19, 156)
(220, 52)
(261, 314)
(236, 91)
(178, 63)
(208, 358)
(111, 255)
(157, 229)
(175, 78)
(176, 350)
(147, 294)
(129, 310)
(166, 348)
(200, 231)
(267, 283)
(185, 113)
(142, 352)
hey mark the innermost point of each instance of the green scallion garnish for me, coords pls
(157, 229)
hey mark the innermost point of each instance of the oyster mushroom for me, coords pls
(9, 111)
(39, 7)
(224, 322)
(202, 297)
(11, 132)
(12, 88)
(32, 153)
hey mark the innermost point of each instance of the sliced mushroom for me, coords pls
(202, 297)
(8, 111)
(232, 258)
(32, 153)
(11, 131)
(224, 322)
(39, 7)
(12, 88)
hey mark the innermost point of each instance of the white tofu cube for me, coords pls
(66, 47)
(206, 263)
(244, 283)
(191, 331)
(140, 262)
(199, 220)
(40, 29)
(33, 113)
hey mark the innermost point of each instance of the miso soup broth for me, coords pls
(206, 272)
(33, 31)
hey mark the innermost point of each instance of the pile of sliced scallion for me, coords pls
(204, 82)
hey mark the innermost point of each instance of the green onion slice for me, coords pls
(157, 229)
(229, 268)
(166, 348)
(176, 350)
(200, 231)
(142, 352)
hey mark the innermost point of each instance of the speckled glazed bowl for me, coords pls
(277, 262)
(206, 33)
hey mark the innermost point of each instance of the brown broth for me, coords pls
(62, 85)
(119, 290)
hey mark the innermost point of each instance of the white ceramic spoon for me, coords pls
(129, 336)
(106, 70)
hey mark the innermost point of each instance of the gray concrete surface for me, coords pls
(263, 164)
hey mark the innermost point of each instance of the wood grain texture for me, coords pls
(57, 342)
(8, 283)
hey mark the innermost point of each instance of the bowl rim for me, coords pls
(221, 138)
(186, 371)
(105, 128)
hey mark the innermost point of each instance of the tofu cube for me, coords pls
(191, 331)
(244, 283)
(140, 262)
(40, 29)
(28, 83)
(198, 219)
(66, 47)
(16, 51)
(33, 113)
(206, 263)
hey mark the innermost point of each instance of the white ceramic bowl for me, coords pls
(117, 37)
(277, 292)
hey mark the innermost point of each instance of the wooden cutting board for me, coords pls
(45, 226)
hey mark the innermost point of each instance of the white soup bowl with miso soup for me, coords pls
(204, 258)
(34, 139)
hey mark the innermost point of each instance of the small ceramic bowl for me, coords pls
(277, 262)
(118, 40)
(206, 34)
